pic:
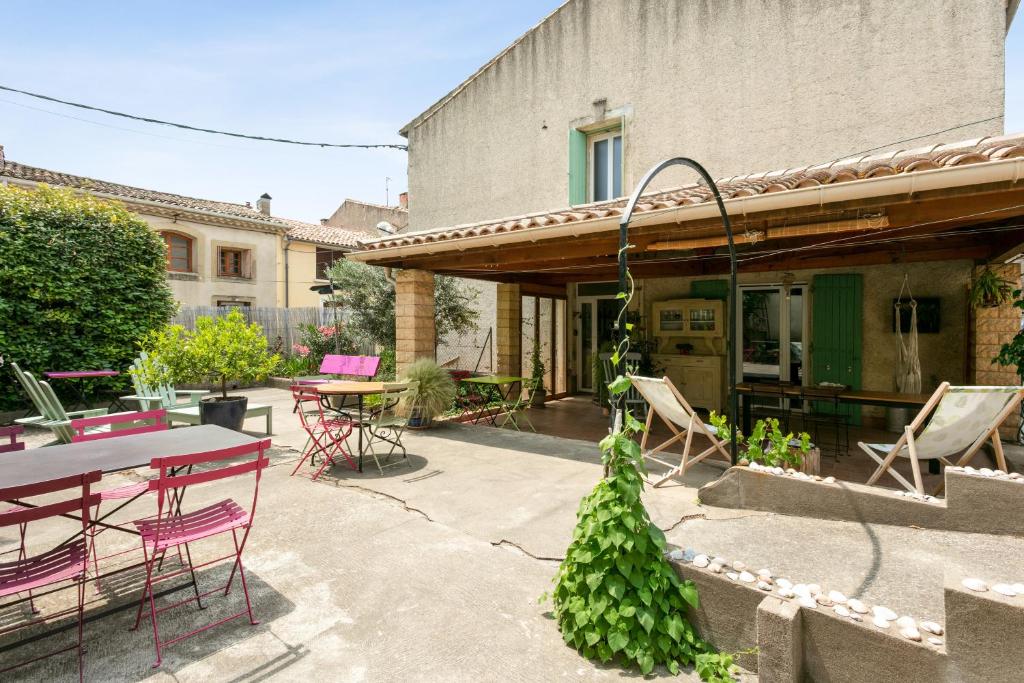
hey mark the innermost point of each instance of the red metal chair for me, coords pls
(11, 433)
(172, 528)
(327, 434)
(66, 562)
(91, 429)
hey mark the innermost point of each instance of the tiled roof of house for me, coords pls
(326, 234)
(856, 168)
(127, 193)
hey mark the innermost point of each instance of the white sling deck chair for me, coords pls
(962, 420)
(666, 401)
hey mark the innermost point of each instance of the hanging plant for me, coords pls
(989, 290)
(615, 595)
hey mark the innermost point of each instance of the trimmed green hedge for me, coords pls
(81, 282)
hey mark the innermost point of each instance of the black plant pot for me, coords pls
(224, 412)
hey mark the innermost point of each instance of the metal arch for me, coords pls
(627, 216)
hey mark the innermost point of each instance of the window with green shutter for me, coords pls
(595, 163)
(577, 167)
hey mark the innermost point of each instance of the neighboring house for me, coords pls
(218, 253)
(516, 177)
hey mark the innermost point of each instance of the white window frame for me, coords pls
(609, 134)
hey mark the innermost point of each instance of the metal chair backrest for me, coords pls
(355, 366)
(303, 395)
(12, 434)
(397, 398)
(121, 424)
(81, 504)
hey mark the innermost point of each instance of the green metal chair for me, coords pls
(518, 410)
(387, 423)
(51, 412)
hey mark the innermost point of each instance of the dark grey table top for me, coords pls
(113, 455)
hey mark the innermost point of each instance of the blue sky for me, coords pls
(332, 71)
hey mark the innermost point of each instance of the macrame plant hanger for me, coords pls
(908, 361)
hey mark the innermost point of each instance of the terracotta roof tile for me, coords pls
(931, 157)
(325, 234)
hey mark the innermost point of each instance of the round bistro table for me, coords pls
(358, 389)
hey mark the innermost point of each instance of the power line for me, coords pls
(213, 131)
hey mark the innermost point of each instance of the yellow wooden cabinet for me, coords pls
(698, 378)
(688, 318)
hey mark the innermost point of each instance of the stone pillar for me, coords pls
(509, 331)
(414, 317)
(990, 329)
(780, 648)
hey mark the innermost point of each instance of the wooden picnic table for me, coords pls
(358, 389)
(496, 381)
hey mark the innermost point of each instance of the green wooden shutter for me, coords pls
(577, 167)
(709, 289)
(836, 317)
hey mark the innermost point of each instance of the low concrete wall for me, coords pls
(983, 633)
(973, 504)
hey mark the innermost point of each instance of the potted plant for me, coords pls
(989, 290)
(537, 378)
(219, 350)
(768, 445)
(434, 392)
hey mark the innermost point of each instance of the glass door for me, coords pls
(597, 316)
(772, 321)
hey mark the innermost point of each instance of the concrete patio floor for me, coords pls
(432, 572)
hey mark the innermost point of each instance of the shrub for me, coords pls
(435, 392)
(81, 282)
(315, 342)
(767, 444)
(219, 349)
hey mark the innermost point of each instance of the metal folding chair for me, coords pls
(65, 562)
(326, 435)
(106, 427)
(388, 423)
(524, 399)
(172, 528)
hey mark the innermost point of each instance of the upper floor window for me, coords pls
(605, 165)
(179, 251)
(325, 258)
(232, 262)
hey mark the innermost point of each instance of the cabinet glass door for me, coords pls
(670, 320)
(702, 320)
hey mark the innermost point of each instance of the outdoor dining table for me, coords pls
(77, 380)
(497, 382)
(358, 389)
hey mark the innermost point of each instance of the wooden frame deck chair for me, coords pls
(665, 401)
(51, 411)
(962, 420)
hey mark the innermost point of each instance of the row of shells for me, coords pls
(790, 472)
(987, 472)
(813, 596)
(1010, 590)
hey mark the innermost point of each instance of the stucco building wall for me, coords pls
(741, 85)
(301, 275)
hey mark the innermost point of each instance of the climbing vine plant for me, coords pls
(615, 595)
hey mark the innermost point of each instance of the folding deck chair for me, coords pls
(666, 402)
(962, 420)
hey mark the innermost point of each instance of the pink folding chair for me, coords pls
(327, 435)
(91, 429)
(65, 562)
(172, 528)
(11, 433)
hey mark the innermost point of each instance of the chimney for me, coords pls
(323, 221)
(263, 204)
(403, 199)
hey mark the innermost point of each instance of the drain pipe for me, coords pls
(287, 243)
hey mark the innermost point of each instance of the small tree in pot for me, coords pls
(537, 378)
(219, 350)
(434, 393)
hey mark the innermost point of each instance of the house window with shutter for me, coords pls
(179, 251)
(232, 262)
(595, 164)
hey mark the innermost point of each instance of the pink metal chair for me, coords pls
(66, 562)
(106, 427)
(327, 434)
(11, 433)
(172, 528)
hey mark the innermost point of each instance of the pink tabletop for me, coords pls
(81, 374)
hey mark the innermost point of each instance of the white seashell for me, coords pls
(747, 577)
(906, 622)
(675, 555)
(790, 470)
(719, 560)
(817, 477)
(738, 566)
(764, 572)
(836, 596)
(778, 470)
(857, 606)
(975, 585)
(1015, 475)
(937, 642)
(715, 567)
(809, 603)
(931, 627)
(856, 617)
(984, 471)
(880, 622)
(814, 588)
(970, 470)
(1019, 587)
(954, 468)
(732, 575)
(786, 592)
(911, 633)
(701, 561)
(830, 480)
(784, 582)
(764, 586)
(884, 613)
(802, 590)
(823, 600)
(689, 554)
(1005, 589)
(841, 611)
